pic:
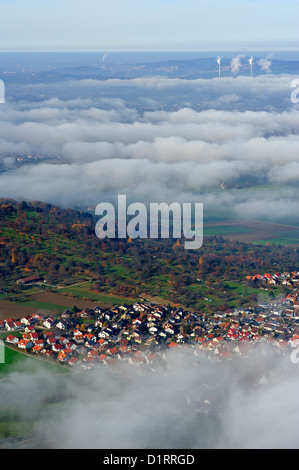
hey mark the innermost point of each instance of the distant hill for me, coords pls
(41, 72)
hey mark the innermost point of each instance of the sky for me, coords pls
(73, 25)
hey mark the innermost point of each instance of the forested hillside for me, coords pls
(61, 246)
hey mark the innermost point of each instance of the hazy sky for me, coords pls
(147, 24)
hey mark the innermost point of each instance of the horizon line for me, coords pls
(162, 51)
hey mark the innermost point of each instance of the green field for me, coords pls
(223, 230)
(277, 241)
(14, 421)
(100, 298)
(82, 292)
(15, 360)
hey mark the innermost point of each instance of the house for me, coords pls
(246, 328)
(232, 336)
(12, 339)
(62, 325)
(57, 347)
(63, 340)
(153, 330)
(26, 336)
(29, 329)
(33, 336)
(81, 350)
(48, 334)
(62, 356)
(87, 362)
(22, 344)
(26, 320)
(109, 315)
(49, 353)
(91, 344)
(51, 340)
(199, 339)
(289, 313)
(92, 353)
(70, 348)
(37, 349)
(38, 317)
(90, 328)
(66, 315)
(269, 326)
(294, 341)
(104, 334)
(102, 357)
(112, 351)
(170, 330)
(86, 313)
(27, 281)
(72, 361)
(49, 322)
(10, 325)
(78, 335)
(89, 337)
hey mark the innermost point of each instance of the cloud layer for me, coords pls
(188, 402)
(107, 145)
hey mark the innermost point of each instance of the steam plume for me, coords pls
(236, 64)
(265, 64)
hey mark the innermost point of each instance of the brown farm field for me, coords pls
(58, 299)
(14, 310)
(51, 303)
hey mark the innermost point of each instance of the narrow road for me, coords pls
(73, 285)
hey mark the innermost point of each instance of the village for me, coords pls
(285, 279)
(141, 333)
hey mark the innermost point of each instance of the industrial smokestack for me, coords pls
(103, 59)
(250, 60)
(219, 64)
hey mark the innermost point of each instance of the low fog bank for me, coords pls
(145, 143)
(187, 401)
